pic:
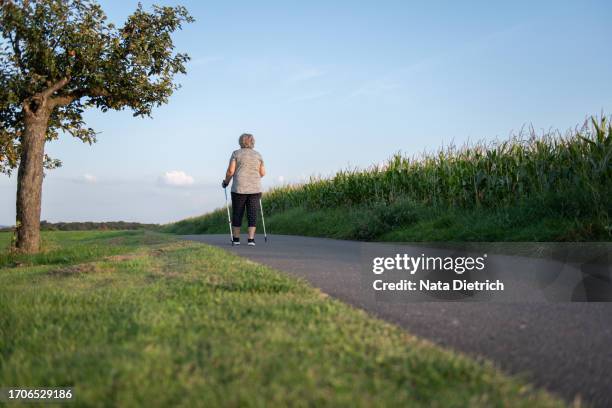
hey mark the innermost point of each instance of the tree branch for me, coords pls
(78, 94)
(63, 100)
(55, 87)
(31, 104)
(17, 51)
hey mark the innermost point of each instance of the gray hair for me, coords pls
(246, 141)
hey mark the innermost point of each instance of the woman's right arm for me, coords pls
(231, 169)
(262, 170)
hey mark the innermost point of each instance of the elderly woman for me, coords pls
(246, 167)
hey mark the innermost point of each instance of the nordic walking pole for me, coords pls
(229, 219)
(263, 221)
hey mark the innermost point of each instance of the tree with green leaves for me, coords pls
(60, 57)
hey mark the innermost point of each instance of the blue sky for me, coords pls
(325, 85)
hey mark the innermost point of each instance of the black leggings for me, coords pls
(239, 202)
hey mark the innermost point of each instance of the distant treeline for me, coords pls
(87, 226)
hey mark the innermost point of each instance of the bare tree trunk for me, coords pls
(29, 180)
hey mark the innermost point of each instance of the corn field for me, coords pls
(563, 176)
(576, 166)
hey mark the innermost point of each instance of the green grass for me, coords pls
(66, 248)
(141, 319)
(408, 221)
(546, 188)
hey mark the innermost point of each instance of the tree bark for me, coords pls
(30, 178)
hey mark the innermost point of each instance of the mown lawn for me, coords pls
(138, 318)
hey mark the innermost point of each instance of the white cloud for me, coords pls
(306, 74)
(281, 179)
(176, 178)
(90, 178)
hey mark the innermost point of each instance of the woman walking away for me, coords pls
(246, 167)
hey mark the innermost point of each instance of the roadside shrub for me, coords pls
(368, 228)
(399, 214)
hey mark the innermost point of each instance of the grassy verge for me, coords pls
(141, 319)
(409, 221)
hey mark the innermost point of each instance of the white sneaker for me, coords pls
(251, 242)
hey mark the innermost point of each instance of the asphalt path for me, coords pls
(565, 348)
